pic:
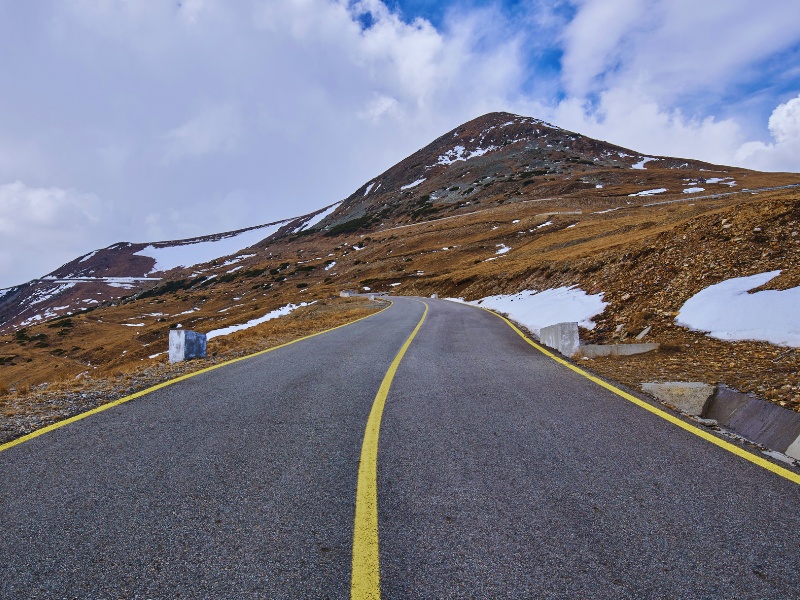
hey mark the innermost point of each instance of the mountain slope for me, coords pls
(110, 273)
(502, 157)
(500, 205)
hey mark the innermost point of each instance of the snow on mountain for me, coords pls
(196, 252)
(728, 311)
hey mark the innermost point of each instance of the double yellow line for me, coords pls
(365, 582)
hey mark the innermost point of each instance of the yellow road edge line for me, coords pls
(365, 582)
(725, 445)
(163, 384)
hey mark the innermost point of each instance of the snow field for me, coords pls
(535, 309)
(186, 255)
(727, 311)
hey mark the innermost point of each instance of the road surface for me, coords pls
(500, 474)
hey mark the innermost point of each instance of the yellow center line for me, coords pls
(164, 384)
(365, 581)
(725, 445)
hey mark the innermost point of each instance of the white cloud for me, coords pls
(379, 106)
(42, 228)
(673, 48)
(642, 73)
(631, 119)
(783, 154)
(216, 129)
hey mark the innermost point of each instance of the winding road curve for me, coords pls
(500, 474)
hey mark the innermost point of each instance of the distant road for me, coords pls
(500, 474)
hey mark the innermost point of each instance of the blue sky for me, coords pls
(143, 120)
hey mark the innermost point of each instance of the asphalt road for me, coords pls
(501, 474)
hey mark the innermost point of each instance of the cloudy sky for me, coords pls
(143, 120)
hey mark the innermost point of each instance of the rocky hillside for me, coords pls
(501, 157)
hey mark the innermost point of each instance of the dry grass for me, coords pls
(32, 406)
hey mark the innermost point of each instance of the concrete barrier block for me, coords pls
(562, 337)
(596, 350)
(758, 420)
(689, 396)
(185, 344)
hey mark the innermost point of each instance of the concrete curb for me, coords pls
(692, 397)
(564, 337)
(596, 350)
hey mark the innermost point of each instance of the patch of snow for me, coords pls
(193, 252)
(539, 309)
(599, 186)
(515, 221)
(643, 162)
(693, 190)
(229, 307)
(330, 266)
(31, 320)
(232, 261)
(722, 180)
(413, 184)
(45, 294)
(571, 226)
(278, 312)
(394, 284)
(317, 218)
(461, 153)
(544, 225)
(157, 355)
(133, 324)
(502, 249)
(650, 192)
(369, 187)
(366, 289)
(234, 269)
(88, 256)
(727, 311)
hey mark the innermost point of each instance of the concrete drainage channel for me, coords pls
(766, 424)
